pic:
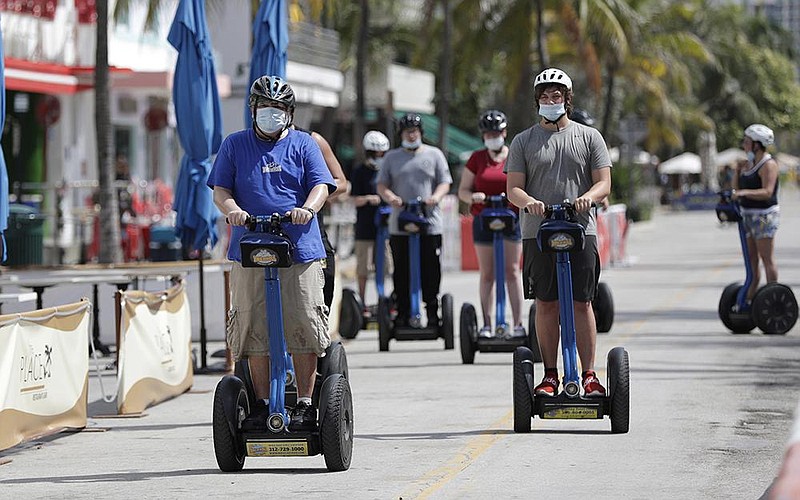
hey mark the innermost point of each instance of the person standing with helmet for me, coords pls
(365, 197)
(755, 187)
(274, 168)
(554, 160)
(408, 172)
(484, 177)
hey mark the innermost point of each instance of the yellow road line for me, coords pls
(475, 447)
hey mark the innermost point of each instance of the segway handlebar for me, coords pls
(566, 205)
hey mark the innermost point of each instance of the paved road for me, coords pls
(710, 410)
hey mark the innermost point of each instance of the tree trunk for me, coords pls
(524, 115)
(609, 107)
(541, 37)
(110, 244)
(361, 66)
(446, 84)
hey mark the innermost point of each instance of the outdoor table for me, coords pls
(39, 285)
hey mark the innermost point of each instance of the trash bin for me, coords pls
(24, 235)
(164, 244)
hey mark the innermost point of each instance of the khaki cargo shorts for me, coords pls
(365, 258)
(305, 315)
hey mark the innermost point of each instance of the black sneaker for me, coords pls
(257, 419)
(304, 417)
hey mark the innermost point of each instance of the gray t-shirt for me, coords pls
(557, 166)
(415, 174)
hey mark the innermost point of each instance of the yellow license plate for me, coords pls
(277, 449)
(576, 412)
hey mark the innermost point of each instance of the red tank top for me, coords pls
(489, 177)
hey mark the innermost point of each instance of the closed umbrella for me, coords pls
(3, 171)
(199, 123)
(270, 42)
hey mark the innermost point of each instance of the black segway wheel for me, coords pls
(231, 407)
(384, 324)
(775, 309)
(336, 423)
(736, 323)
(603, 305)
(523, 389)
(533, 341)
(619, 387)
(467, 332)
(334, 361)
(350, 318)
(242, 370)
(446, 328)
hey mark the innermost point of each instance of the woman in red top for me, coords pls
(483, 177)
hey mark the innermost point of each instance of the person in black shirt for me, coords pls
(366, 200)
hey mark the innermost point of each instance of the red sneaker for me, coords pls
(548, 387)
(591, 386)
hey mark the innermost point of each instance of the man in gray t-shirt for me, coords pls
(556, 160)
(415, 170)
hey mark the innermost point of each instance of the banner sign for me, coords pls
(44, 369)
(155, 358)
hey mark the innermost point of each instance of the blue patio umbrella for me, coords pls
(270, 42)
(199, 123)
(3, 170)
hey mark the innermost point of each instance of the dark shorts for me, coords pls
(539, 272)
(482, 237)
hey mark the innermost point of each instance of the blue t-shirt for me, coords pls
(267, 177)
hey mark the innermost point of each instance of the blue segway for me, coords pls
(265, 245)
(774, 306)
(351, 317)
(561, 233)
(412, 220)
(500, 220)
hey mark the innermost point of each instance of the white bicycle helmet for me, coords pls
(375, 141)
(553, 75)
(760, 133)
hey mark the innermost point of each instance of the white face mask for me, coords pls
(271, 120)
(411, 144)
(552, 112)
(494, 143)
(751, 156)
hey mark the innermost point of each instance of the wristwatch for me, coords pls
(311, 210)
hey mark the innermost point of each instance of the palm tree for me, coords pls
(111, 251)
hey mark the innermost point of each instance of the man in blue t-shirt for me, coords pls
(272, 168)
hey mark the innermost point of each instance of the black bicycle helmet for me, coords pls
(268, 89)
(409, 120)
(493, 121)
(582, 116)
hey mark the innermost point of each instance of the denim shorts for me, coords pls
(761, 225)
(482, 237)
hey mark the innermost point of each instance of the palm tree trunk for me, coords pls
(609, 107)
(541, 37)
(110, 249)
(361, 66)
(446, 84)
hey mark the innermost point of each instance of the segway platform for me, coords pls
(411, 333)
(499, 344)
(563, 406)
(290, 444)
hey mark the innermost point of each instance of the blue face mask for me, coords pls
(271, 120)
(552, 112)
(751, 156)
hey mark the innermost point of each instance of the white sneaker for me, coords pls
(519, 331)
(486, 332)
